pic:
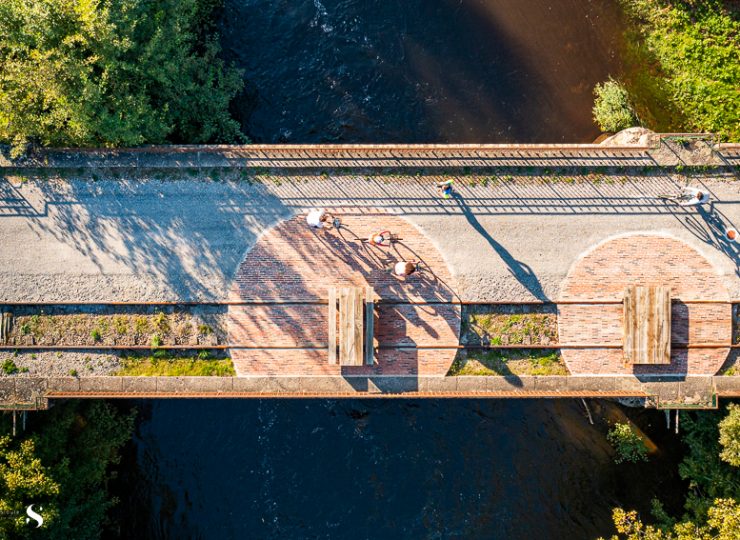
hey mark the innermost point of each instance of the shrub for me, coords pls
(612, 109)
(95, 334)
(628, 444)
(692, 49)
(156, 341)
(729, 436)
(9, 367)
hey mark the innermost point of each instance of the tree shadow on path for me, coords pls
(521, 271)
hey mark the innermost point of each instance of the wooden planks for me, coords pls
(356, 325)
(647, 325)
(369, 325)
(350, 326)
(332, 325)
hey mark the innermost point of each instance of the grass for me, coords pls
(163, 365)
(510, 329)
(509, 362)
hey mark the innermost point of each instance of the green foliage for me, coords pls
(167, 365)
(8, 367)
(95, 334)
(723, 523)
(729, 436)
(539, 362)
(62, 465)
(112, 73)
(708, 476)
(695, 46)
(612, 109)
(156, 341)
(628, 444)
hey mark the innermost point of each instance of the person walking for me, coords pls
(445, 189)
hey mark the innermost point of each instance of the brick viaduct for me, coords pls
(19, 392)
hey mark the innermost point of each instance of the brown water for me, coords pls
(421, 70)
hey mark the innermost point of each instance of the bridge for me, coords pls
(541, 240)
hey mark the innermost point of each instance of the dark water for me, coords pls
(421, 70)
(296, 469)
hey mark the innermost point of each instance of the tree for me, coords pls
(628, 444)
(689, 51)
(112, 73)
(723, 523)
(612, 109)
(63, 466)
(23, 480)
(729, 436)
(708, 476)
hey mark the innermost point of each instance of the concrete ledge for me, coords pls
(139, 385)
(101, 384)
(63, 384)
(692, 389)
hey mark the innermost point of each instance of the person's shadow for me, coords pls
(521, 271)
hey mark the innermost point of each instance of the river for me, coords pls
(296, 469)
(400, 71)
(421, 70)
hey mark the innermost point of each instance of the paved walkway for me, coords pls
(603, 273)
(507, 239)
(293, 262)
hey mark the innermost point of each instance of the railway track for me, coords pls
(102, 347)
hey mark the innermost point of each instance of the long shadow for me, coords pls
(521, 271)
(709, 226)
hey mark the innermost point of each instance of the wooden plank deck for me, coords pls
(350, 326)
(369, 325)
(332, 325)
(647, 325)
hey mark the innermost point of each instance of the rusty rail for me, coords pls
(389, 301)
(241, 346)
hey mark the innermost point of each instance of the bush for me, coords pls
(612, 109)
(729, 436)
(9, 367)
(692, 49)
(112, 73)
(628, 444)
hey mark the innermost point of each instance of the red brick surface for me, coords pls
(293, 262)
(604, 272)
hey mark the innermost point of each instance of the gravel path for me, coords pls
(60, 364)
(506, 239)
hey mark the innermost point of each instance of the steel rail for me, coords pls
(387, 301)
(400, 346)
(289, 394)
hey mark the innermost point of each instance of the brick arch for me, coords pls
(294, 263)
(605, 270)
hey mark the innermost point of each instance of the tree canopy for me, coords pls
(61, 467)
(113, 73)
